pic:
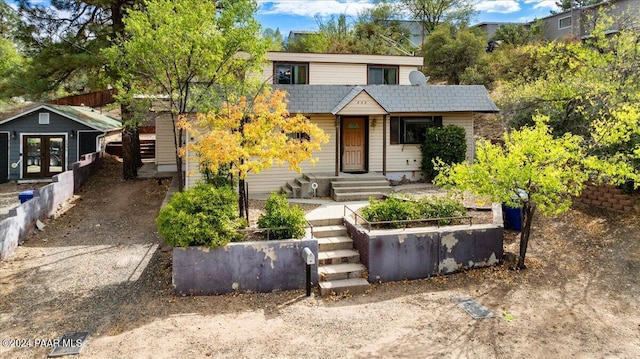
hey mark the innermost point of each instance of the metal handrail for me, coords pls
(403, 221)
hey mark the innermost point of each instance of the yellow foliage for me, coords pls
(252, 135)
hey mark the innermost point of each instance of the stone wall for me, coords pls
(45, 202)
(607, 197)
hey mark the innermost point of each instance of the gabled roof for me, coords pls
(81, 114)
(393, 98)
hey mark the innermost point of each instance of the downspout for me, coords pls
(384, 145)
(337, 169)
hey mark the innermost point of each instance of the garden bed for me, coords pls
(421, 252)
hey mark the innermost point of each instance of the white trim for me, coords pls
(78, 141)
(8, 153)
(566, 27)
(58, 113)
(66, 147)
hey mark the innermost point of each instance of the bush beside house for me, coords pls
(203, 215)
(446, 143)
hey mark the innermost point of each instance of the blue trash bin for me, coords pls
(513, 218)
(25, 195)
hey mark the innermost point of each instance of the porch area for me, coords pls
(344, 187)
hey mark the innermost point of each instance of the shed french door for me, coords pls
(43, 156)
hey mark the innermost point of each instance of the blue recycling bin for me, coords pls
(25, 195)
(513, 218)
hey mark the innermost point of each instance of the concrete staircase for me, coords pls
(359, 187)
(339, 267)
(346, 187)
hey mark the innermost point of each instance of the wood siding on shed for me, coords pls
(29, 125)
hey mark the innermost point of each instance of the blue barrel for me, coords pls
(513, 218)
(25, 195)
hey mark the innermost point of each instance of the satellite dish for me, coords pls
(417, 78)
(14, 165)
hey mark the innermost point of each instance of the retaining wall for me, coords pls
(606, 197)
(414, 253)
(46, 201)
(262, 266)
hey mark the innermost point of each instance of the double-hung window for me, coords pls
(383, 75)
(564, 23)
(412, 130)
(290, 73)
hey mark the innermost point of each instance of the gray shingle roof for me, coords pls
(393, 98)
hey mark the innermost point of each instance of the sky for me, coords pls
(290, 15)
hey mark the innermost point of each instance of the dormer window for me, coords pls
(290, 73)
(383, 75)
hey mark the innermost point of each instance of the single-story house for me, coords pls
(373, 128)
(43, 140)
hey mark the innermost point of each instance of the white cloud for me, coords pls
(498, 6)
(543, 4)
(313, 7)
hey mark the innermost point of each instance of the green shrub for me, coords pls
(394, 208)
(447, 143)
(200, 216)
(397, 208)
(440, 207)
(281, 214)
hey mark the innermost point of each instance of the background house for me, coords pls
(42, 140)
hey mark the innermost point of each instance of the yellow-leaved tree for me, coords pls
(248, 135)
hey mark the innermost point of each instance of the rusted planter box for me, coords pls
(263, 266)
(413, 253)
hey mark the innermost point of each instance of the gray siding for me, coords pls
(28, 124)
(4, 159)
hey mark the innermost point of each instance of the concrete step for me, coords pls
(338, 256)
(330, 231)
(338, 221)
(356, 196)
(340, 271)
(294, 188)
(381, 189)
(287, 191)
(375, 183)
(352, 286)
(334, 243)
(360, 177)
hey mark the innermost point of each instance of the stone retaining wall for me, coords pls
(606, 197)
(45, 202)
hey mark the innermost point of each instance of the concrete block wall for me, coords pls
(607, 197)
(46, 201)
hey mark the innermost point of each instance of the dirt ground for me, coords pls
(101, 267)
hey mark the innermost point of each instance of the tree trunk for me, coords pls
(524, 235)
(129, 168)
(242, 202)
(135, 144)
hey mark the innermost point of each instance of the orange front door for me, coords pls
(353, 145)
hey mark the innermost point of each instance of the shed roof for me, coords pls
(84, 115)
(393, 98)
